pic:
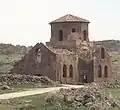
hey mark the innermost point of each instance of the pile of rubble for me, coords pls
(113, 85)
(84, 97)
(25, 79)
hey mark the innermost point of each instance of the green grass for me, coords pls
(38, 101)
(114, 92)
(23, 86)
(19, 87)
(5, 107)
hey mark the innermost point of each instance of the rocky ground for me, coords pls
(89, 97)
(11, 81)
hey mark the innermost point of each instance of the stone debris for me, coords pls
(24, 79)
(90, 97)
(27, 107)
(114, 85)
(4, 87)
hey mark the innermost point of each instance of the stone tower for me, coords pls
(69, 28)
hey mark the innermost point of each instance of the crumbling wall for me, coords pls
(62, 44)
(102, 62)
(86, 70)
(44, 65)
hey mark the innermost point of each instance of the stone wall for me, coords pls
(44, 65)
(86, 70)
(67, 30)
(67, 60)
(98, 61)
(62, 44)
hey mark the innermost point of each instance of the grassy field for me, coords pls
(37, 102)
(21, 87)
(114, 92)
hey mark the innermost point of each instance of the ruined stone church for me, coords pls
(69, 57)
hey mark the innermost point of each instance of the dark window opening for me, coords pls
(106, 72)
(85, 35)
(102, 53)
(99, 71)
(60, 35)
(73, 30)
(64, 70)
(71, 71)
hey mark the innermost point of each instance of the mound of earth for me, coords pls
(25, 79)
(89, 97)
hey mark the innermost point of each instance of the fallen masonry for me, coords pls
(89, 97)
(10, 79)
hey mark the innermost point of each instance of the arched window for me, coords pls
(70, 71)
(60, 35)
(102, 53)
(99, 71)
(105, 71)
(85, 35)
(64, 70)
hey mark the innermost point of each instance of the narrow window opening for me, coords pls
(70, 71)
(102, 53)
(60, 35)
(85, 35)
(64, 70)
(99, 71)
(106, 72)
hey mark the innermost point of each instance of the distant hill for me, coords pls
(9, 54)
(110, 45)
(7, 49)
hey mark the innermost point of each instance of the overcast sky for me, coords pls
(25, 22)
